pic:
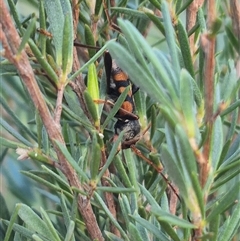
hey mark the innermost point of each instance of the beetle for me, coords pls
(117, 82)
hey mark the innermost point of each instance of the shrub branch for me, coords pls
(191, 20)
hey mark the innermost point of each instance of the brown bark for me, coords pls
(191, 20)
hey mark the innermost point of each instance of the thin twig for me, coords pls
(159, 169)
(58, 108)
(208, 46)
(235, 15)
(109, 197)
(26, 72)
(75, 14)
(191, 20)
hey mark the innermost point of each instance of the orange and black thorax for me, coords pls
(117, 82)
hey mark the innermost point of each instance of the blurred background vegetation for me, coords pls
(19, 119)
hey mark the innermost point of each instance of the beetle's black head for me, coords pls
(131, 130)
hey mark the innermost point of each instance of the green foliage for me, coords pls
(44, 206)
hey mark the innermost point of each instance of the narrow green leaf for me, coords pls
(184, 151)
(157, 21)
(57, 177)
(197, 94)
(89, 39)
(151, 227)
(153, 121)
(169, 230)
(74, 109)
(178, 4)
(233, 150)
(92, 85)
(14, 133)
(230, 108)
(98, 7)
(201, 20)
(42, 25)
(4, 213)
(188, 163)
(116, 189)
(112, 236)
(148, 196)
(131, 168)
(130, 12)
(31, 27)
(227, 200)
(39, 126)
(42, 61)
(143, 232)
(224, 152)
(125, 208)
(232, 38)
(45, 141)
(14, 13)
(49, 224)
(33, 221)
(11, 144)
(170, 37)
(187, 101)
(67, 46)
(111, 155)
(168, 130)
(45, 183)
(216, 143)
(11, 223)
(174, 171)
(133, 232)
(65, 211)
(185, 48)
(92, 108)
(156, 4)
(214, 227)
(95, 158)
(73, 163)
(171, 219)
(92, 60)
(141, 109)
(171, 81)
(184, 6)
(56, 22)
(19, 229)
(69, 138)
(153, 203)
(118, 163)
(225, 174)
(37, 238)
(70, 232)
(110, 216)
(232, 226)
